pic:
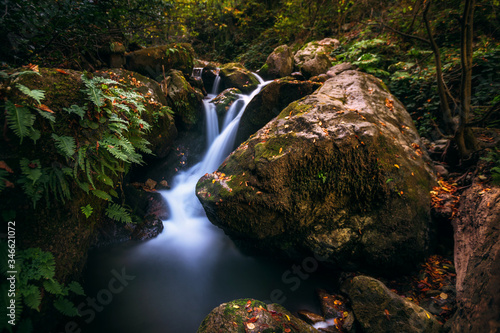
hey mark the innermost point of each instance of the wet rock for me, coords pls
(224, 100)
(319, 78)
(150, 184)
(155, 61)
(378, 309)
(477, 260)
(252, 316)
(298, 76)
(310, 317)
(335, 174)
(278, 64)
(269, 102)
(337, 69)
(163, 185)
(234, 75)
(184, 100)
(336, 307)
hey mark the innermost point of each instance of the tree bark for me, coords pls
(464, 137)
(449, 124)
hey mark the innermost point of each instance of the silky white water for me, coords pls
(191, 267)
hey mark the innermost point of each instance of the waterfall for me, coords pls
(185, 209)
(197, 71)
(215, 88)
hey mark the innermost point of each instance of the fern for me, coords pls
(37, 95)
(19, 119)
(53, 287)
(118, 213)
(65, 145)
(75, 109)
(32, 297)
(47, 115)
(101, 194)
(87, 210)
(66, 307)
(76, 288)
(31, 169)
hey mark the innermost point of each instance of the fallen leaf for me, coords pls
(44, 107)
(4, 166)
(250, 326)
(61, 71)
(443, 296)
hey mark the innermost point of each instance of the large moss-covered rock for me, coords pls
(184, 100)
(252, 316)
(477, 260)
(314, 58)
(156, 60)
(234, 75)
(339, 173)
(225, 99)
(278, 64)
(380, 310)
(269, 102)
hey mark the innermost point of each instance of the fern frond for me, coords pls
(31, 169)
(32, 297)
(118, 213)
(76, 288)
(75, 109)
(66, 307)
(65, 145)
(87, 210)
(101, 194)
(34, 135)
(47, 115)
(37, 95)
(19, 119)
(53, 287)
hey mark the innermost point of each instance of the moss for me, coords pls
(296, 109)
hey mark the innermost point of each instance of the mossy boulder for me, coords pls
(184, 100)
(314, 58)
(278, 64)
(224, 100)
(380, 310)
(339, 173)
(252, 316)
(154, 61)
(269, 102)
(234, 75)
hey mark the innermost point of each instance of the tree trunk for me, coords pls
(449, 124)
(464, 137)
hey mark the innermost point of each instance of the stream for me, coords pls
(170, 283)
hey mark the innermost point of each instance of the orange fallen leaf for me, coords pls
(4, 166)
(44, 107)
(61, 71)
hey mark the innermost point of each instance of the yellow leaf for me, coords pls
(281, 149)
(287, 317)
(397, 166)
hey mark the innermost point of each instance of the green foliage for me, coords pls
(20, 120)
(65, 145)
(493, 157)
(118, 213)
(37, 95)
(78, 110)
(35, 279)
(87, 210)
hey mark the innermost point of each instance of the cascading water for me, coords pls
(191, 267)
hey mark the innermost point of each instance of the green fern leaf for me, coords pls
(47, 115)
(31, 169)
(118, 213)
(78, 110)
(53, 287)
(19, 119)
(37, 95)
(101, 194)
(76, 288)
(32, 297)
(66, 307)
(65, 145)
(87, 210)
(35, 135)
